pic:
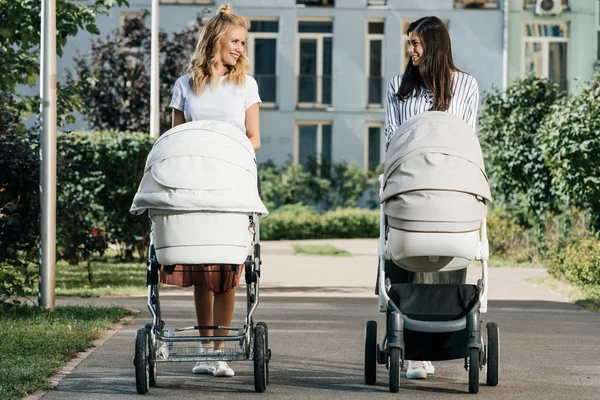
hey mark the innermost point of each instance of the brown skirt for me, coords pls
(216, 278)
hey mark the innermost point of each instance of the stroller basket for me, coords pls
(435, 318)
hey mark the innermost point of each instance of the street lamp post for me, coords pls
(154, 74)
(48, 155)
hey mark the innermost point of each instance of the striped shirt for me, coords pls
(463, 104)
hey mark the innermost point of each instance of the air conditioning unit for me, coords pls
(548, 7)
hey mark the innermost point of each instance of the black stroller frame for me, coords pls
(155, 344)
(462, 336)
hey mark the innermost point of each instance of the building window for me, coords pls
(530, 4)
(376, 3)
(312, 143)
(314, 63)
(373, 145)
(130, 22)
(545, 50)
(321, 3)
(375, 62)
(404, 53)
(262, 52)
(476, 4)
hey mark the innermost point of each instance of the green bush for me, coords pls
(325, 186)
(299, 224)
(104, 170)
(578, 261)
(509, 129)
(508, 240)
(19, 199)
(571, 144)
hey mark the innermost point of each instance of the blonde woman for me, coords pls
(216, 87)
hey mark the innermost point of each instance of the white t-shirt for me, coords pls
(227, 102)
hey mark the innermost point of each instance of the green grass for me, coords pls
(587, 297)
(35, 344)
(110, 278)
(319, 250)
(498, 262)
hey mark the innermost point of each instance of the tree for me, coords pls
(115, 77)
(19, 200)
(19, 160)
(571, 144)
(20, 34)
(20, 43)
(509, 130)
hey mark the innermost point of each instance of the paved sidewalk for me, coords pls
(284, 273)
(286, 276)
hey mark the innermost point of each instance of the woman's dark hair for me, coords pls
(435, 71)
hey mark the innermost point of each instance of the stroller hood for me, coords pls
(435, 151)
(200, 166)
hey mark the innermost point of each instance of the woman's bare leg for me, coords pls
(223, 313)
(203, 301)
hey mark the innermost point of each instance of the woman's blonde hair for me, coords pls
(203, 67)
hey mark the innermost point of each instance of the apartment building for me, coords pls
(556, 39)
(323, 65)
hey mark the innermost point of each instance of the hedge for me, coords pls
(578, 261)
(340, 223)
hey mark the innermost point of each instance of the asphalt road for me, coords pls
(549, 350)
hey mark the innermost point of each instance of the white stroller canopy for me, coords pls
(435, 193)
(200, 166)
(438, 138)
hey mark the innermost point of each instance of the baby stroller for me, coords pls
(433, 195)
(200, 188)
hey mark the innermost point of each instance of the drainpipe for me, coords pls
(505, 45)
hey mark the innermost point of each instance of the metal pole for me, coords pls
(154, 74)
(505, 45)
(48, 155)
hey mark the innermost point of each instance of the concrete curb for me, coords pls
(55, 379)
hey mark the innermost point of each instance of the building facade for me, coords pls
(323, 65)
(556, 39)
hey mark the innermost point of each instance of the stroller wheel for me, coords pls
(140, 361)
(151, 355)
(394, 370)
(493, 352)
(371, 353)
(268, 350)
(473, 370)
(260, 359)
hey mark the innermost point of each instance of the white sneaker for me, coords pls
(429, 368)
(201, 367)
(163, 351)
(416, 370)
(220, 368)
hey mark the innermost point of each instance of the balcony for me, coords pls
(315, 3)
(314, 91)
(470, 4)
